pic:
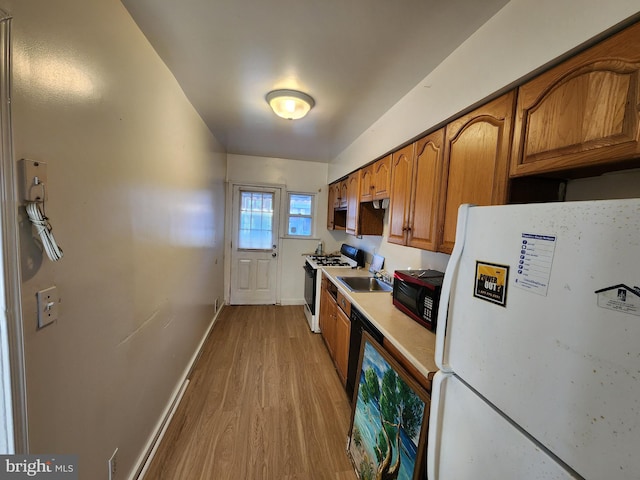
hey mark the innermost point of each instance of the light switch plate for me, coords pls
(47, 306)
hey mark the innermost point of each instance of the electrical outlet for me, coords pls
(47, 306)
(113, 465)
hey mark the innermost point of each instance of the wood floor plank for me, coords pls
(264, 402)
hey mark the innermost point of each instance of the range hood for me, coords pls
(384, 203)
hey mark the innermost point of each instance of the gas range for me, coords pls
(349, 257)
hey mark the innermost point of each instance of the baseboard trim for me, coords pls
(165, 425)
(144, 460)
(292, 301)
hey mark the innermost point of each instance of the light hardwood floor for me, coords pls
(264, 402)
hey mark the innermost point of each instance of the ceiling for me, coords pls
(356, 58)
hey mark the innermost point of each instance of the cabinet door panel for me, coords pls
(328, 320)
(342, 334)
(401, 171)
(582, 113)
(584, 109)
(427, 170)
(476, 158)
(332, 193)
(353, 202)
(343, 196)
(366, 184)
(381, 178)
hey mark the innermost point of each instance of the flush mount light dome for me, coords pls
(290, 104)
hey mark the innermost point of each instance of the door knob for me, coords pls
(274, 254)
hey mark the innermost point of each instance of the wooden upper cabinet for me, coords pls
(366, 184)
(353, 202)
(331, 201)
(416, 172)
(334, 195)
(375, 180)
(347, 213)
(476, 162)
(582, 113)
(401, 174)
(381, 178)
(343, 195)
(425, 197)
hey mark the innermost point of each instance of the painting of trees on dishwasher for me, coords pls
(389, 419)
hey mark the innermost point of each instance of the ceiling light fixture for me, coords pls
(290, 104)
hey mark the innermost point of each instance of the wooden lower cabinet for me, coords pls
(327, 320)
(476, 162)
(341, 350)
(335, 326)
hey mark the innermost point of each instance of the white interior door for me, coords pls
(254, 245)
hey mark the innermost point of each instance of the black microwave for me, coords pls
(417, 293)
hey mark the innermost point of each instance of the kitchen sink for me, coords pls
(364, 284)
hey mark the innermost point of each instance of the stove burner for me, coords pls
(329, 261)
(332, 262)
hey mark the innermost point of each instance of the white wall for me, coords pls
(397, 257)
(519, 39)
(136, 200)
(623, 184)
(297, 176)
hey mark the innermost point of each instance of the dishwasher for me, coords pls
(359, 323)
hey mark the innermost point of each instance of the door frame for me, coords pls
(228, 234)
(12, 364)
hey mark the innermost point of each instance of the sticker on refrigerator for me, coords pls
(491, 282)
(620, 298)
(535, 259)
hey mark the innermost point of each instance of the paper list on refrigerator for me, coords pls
(535, 260)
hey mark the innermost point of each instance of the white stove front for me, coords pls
(316, 263)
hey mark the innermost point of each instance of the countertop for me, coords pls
(414, 341)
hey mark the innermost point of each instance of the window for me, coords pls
(256, 221)
(300, 215)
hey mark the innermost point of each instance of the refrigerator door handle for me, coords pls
(450, 274)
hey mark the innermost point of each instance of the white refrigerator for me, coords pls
(538, 345)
